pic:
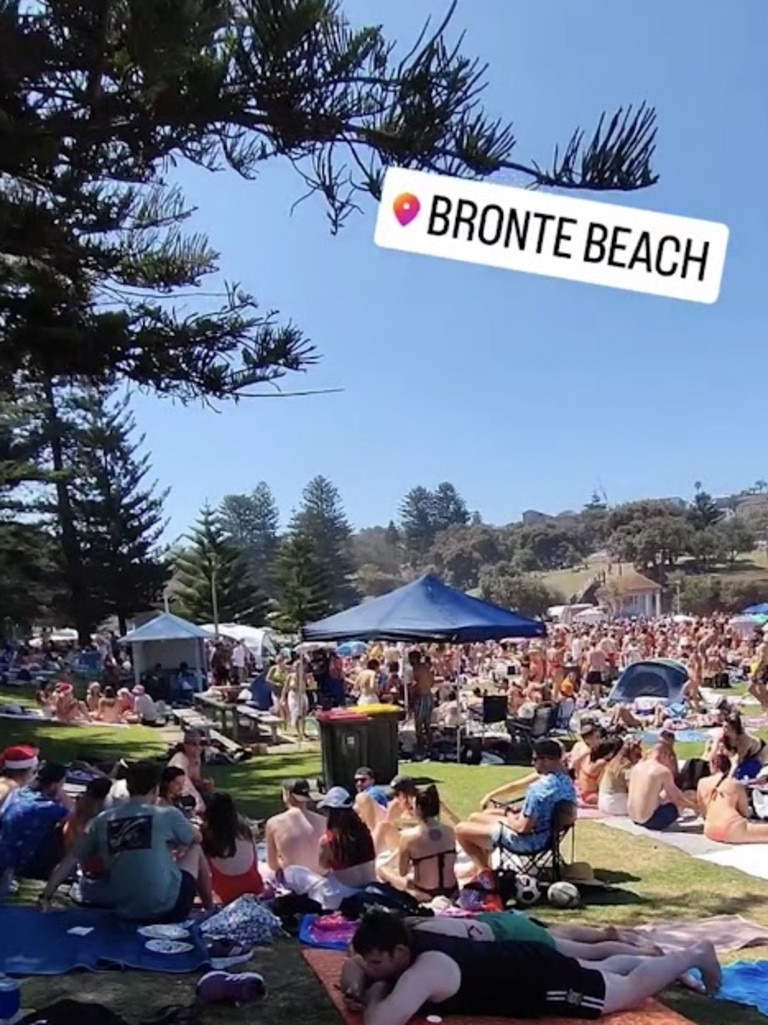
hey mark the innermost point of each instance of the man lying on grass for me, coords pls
(397, 971)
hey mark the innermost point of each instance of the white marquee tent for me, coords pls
(257, 640)
(167, 640)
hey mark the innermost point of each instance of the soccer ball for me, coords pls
(563, 895)
(526, 889)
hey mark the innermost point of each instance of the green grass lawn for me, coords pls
(651, 881)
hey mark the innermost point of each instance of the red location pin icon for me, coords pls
(406, 208)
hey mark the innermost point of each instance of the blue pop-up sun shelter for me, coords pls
(661, 678)
(757, 610)
(425, 610)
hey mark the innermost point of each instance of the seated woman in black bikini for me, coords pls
(424, 862)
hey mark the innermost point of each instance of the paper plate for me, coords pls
(164, 932)
(168, 947)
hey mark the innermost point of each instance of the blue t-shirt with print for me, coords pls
(28, 821)
(540, 800)
(135, 842)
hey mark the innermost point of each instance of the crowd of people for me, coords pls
(156, 841)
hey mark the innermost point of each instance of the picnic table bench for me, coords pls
(220, 710)
(191, 718)
(257, 718)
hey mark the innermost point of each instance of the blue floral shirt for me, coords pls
(28, 819)
(540, 800)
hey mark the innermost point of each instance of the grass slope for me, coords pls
(567, 582)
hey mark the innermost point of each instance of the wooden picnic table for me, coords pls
(221, 710)
(258, 718)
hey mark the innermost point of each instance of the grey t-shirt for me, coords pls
(134, 841)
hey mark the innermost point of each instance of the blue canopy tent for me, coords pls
(756, 610)
(661, 678)
(425, 610)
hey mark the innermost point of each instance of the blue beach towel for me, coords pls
(681, 736)
(34, 943)
(746, 983)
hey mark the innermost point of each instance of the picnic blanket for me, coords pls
(727, 932)
(326, 964)
(746, 982)
(33, 943)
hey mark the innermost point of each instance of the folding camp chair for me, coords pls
(525, 732)
(546, 861)
(494, 712)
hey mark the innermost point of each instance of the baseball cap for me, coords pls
(337, 797)
(403, 785)
(298, 788)
(364, 772)
(194, 733)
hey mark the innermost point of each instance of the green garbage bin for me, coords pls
(383, 742)
(350, 738)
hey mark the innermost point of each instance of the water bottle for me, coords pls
(10, 1000)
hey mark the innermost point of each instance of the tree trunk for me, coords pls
(70, 543)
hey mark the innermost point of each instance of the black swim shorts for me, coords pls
(574, 992)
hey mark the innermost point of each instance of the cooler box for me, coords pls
(350, 738)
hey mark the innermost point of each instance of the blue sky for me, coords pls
(526, 392)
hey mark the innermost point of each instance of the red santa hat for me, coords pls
(19, 758)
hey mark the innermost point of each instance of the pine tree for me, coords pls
(417, 523)
(211, 581)
(304, 584)
(448, 508)
(322, 521)
(103, 100)
(118, 513)
(252, 522)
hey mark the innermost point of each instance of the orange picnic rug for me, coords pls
(326, 964)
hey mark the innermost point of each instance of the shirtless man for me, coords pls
(609, 648)
(693, 660)
(367, 683)
(293, 836)
(556, 664)
(396, 973)
(597, 666)
(758, 684)
(654, 800)
(423, 700)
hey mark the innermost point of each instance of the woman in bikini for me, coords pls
(92, 698)
(109, 710)
(724, 806)
(621, 755)
(425, 861)
(748, 753)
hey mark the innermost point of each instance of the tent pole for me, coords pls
(402, 677)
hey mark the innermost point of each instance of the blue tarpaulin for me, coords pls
(425, 610)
